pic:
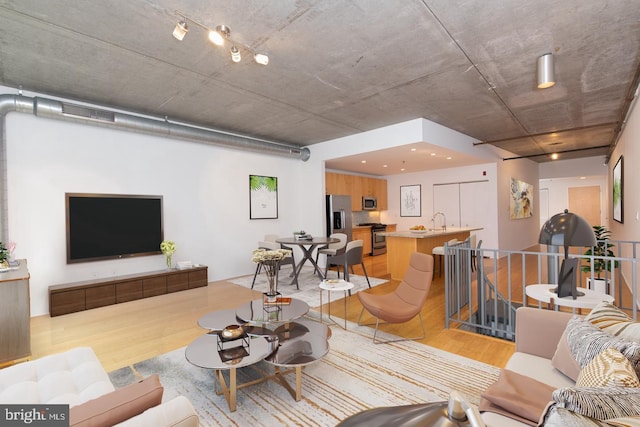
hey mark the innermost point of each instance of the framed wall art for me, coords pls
(263, 197)
(521, 200)
(410, 200)
(618, 191)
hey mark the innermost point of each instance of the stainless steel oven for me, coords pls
(378, 241)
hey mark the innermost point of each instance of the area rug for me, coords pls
(354, 376)
(308, 282)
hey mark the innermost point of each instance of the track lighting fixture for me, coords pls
(546, 76)
(181, 29)
(235, 54)
(218, 36)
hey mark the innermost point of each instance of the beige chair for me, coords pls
(406, 301)
(438, 253)
(333, 248)
(351, 256)
(272, 246)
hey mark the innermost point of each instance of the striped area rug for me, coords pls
(354, 376)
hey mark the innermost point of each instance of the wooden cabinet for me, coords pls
(79, 296)
(364, 234)
(357, 186)
(15, 314)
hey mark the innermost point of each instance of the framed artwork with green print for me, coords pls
(263, 197)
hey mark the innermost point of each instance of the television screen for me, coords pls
(107, 226)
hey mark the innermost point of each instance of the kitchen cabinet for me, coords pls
(15, 314)
(357, 186)
(364, 234)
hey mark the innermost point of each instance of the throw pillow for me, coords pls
(600, 403)
(587, 341)
(119, 405)
(563, 360)
(560, 417)
(609, 368)
(614, 321)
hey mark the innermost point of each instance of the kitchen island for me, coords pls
(401, 244)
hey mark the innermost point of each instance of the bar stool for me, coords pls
(438, 253)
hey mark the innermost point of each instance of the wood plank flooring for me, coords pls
(123, 334)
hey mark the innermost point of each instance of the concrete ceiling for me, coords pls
(342, 67)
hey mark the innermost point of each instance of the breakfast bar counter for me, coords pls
(401, 244)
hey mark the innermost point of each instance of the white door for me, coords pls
(474, 197)
(446, 199)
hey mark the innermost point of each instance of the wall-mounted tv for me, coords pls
(108, 226)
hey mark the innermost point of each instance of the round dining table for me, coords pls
(307, 246)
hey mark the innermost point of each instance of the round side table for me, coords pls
(543, 293)
(331, 286)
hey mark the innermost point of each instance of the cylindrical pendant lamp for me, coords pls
(546, 77)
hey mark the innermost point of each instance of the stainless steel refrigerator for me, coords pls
(339, 215)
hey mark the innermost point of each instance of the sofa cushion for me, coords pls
(587, 341)
(609, 368)
(177, 412)
(600, 403)
(525, 364)
(614, 321)
(71, 377)
(119, 405)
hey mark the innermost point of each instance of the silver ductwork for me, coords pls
(49, 108)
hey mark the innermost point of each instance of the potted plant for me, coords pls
(4, 256)
(599, 251)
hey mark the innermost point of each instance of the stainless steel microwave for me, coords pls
(369, 203)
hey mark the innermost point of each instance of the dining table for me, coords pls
(307, 246)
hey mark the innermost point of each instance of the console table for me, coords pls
(78, 296)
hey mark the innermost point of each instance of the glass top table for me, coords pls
(257, 312)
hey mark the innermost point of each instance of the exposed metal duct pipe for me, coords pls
(49, 108)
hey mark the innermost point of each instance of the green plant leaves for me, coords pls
(256, 182)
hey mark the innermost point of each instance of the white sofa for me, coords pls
(537, 335)
(589, 365)
(77, 378)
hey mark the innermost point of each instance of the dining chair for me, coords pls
(405, 302)
(351, 256)
(333, 249)
(272, 246)
(438, 253)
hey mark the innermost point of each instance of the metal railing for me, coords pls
(483, 287)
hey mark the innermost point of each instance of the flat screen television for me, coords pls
(110, 226)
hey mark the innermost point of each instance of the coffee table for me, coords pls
(275, 334)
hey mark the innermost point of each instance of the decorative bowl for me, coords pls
(419, 231)
(232, 331)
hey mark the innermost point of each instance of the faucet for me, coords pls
(444, 220)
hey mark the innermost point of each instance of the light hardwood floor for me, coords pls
(123, 334)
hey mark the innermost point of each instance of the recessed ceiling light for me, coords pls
(384, 166)
(583, 177)
(402, 169)
(413, 149)
(433, 154)
(554, 156)
(449, 157)
(363, 161)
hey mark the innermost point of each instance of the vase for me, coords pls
(272, 293)
(168, 261)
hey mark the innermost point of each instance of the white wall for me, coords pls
(205, 189)
(427, 180)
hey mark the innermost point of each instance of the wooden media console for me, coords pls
(85, 295)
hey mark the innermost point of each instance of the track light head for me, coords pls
(546, 75)
(218, 36)
(235, 54)
(261, 58)
(181, 29)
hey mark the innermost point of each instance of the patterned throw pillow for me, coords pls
(609, 368)
(587, 341)
(614, 321)
(600, 403)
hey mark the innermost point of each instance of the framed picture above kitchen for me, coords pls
(410, 200)
(263, 197)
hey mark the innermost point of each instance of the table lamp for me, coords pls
(567, 229)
